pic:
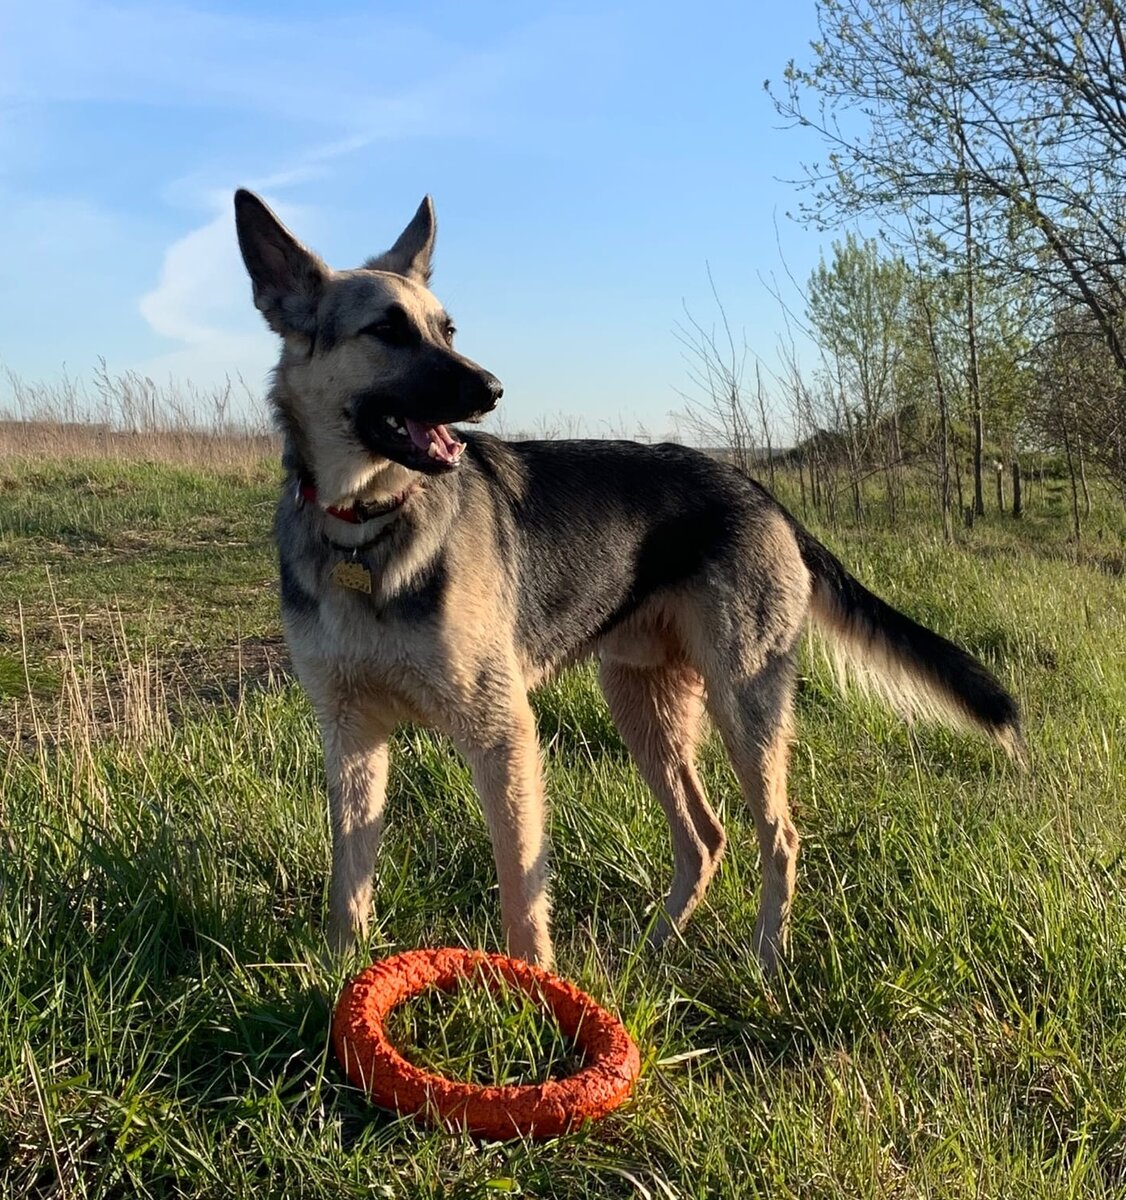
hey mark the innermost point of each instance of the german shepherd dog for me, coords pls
(434, 576)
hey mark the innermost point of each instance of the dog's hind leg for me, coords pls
(355, 743)
(657, 711)
(754, 718)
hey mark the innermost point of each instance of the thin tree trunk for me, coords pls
(1072, 476)
(765, 425)
(853, 465)
(1083, 475)
(957, 471)
(1017, 509)
(852, 447)
(943, 424)
(973, 376)
(944, 468)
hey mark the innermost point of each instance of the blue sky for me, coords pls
(587, 162)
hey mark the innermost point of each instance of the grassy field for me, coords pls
(952, 1023)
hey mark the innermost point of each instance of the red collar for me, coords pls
(355, 514)
(309, 493)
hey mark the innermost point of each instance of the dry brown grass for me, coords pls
(129, 417)
(190, 447)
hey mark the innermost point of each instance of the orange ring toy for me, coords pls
(537, 1110)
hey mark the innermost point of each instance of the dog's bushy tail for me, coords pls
(918, 672)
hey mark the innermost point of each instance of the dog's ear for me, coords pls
(288, 279)
(410, 255)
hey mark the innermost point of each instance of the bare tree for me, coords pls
(1001, 129)
(717, 411)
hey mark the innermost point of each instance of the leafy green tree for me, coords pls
(997, 129)
(855, 306)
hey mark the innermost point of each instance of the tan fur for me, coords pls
(311, 388)
(657, 711)
(761, 758)
(864, 657)
(458, 621)
(508, 777)
(653, 667)
(355, 735)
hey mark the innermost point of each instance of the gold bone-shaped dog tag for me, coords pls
(352, 575)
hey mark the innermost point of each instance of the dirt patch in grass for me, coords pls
(225, 673)
(98, 700)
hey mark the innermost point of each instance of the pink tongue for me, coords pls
(445, 446)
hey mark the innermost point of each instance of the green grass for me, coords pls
(952, 1021)
(485, 1033)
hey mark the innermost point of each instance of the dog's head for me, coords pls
(368, 374)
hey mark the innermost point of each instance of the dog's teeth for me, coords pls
(432, 450)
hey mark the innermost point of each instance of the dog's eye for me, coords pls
(450, 331)
(386, 331)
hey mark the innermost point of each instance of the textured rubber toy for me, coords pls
(539, 1110)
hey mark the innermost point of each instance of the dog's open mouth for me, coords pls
(418, 445)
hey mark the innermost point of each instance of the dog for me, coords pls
(435, 576)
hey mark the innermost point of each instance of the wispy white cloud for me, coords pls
(333, 86)
(202, 301)
(200, 298)
(194, 289)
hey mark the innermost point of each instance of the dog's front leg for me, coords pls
(356, 758)
(507, 773)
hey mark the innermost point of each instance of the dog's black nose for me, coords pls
(494, 387)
